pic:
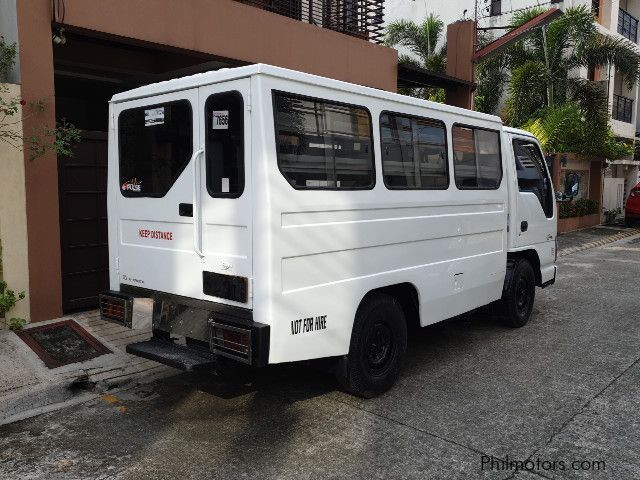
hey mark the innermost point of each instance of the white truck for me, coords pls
(265, 215)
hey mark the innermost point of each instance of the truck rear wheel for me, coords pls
(516, 304)
(378, 346)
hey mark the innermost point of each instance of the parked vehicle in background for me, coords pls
(632, 208)
(273, 216)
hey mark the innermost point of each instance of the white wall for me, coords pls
(13, 217)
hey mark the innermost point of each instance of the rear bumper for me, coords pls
(209, 328)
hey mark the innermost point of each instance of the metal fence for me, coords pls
(358, 18)
(622, 108)
(628, 25)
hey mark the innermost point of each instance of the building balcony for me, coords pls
(622, 109)
(357, 18)
(627, 25)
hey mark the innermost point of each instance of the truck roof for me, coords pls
(518, 131)
(226, 74)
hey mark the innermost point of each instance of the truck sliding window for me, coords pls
(476, 158)
(155, 145)
(224, 114)
(414, 152)
(532, 175)
(322, 144)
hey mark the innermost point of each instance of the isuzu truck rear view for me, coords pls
(263, 215)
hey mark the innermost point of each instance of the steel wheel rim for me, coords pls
(523, 295)
(379, 347)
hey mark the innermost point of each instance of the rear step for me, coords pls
(171, 354)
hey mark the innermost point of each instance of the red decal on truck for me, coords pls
(133, 185)
(155, 234)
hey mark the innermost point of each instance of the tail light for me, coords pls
(230, 341)
(116, 308)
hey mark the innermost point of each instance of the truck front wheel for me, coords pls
(516, 304)
(378, 346)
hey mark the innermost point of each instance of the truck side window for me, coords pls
(532, 176)
(414, 152)
(155, 145)
(224, 123)
(322, 144)
(476, 158)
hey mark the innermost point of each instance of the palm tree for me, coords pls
(540, 64)
(421, 39)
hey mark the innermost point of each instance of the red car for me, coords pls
(632, 210)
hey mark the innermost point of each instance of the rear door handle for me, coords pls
(524, 226)
(197, 234)
(185, 209)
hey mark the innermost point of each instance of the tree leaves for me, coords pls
(422, 41)
(566, 114)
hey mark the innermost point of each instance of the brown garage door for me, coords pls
(83, 222)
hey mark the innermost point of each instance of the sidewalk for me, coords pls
(29, 388)
(579, 240)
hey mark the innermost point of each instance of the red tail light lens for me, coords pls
(232, 340)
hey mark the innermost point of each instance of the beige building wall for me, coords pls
(13, 216)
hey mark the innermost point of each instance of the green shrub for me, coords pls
(8, 300)
(16, 323)
(567, 210)
(579, 208)
(586, 206)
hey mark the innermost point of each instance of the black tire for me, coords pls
(378, 346)
(516, 304)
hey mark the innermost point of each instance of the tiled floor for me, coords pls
(120, 367)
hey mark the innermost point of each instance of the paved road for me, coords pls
(565, 388)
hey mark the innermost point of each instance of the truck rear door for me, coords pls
(179, 213)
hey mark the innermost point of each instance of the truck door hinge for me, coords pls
(508, 221)
(117, 264)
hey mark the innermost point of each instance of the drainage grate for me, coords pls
(62, 343)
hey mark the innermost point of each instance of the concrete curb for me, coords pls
(598, 243)
(42, 398)
(30, 388)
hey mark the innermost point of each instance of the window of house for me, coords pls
(155, 146)
(414, 152)
(224, 120)
(476, 159)
(322, 144)
(495, 8)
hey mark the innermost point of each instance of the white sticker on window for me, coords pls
(225, 185)
(154, 116)
(220, 119)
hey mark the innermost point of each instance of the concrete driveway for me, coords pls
(473, 397)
